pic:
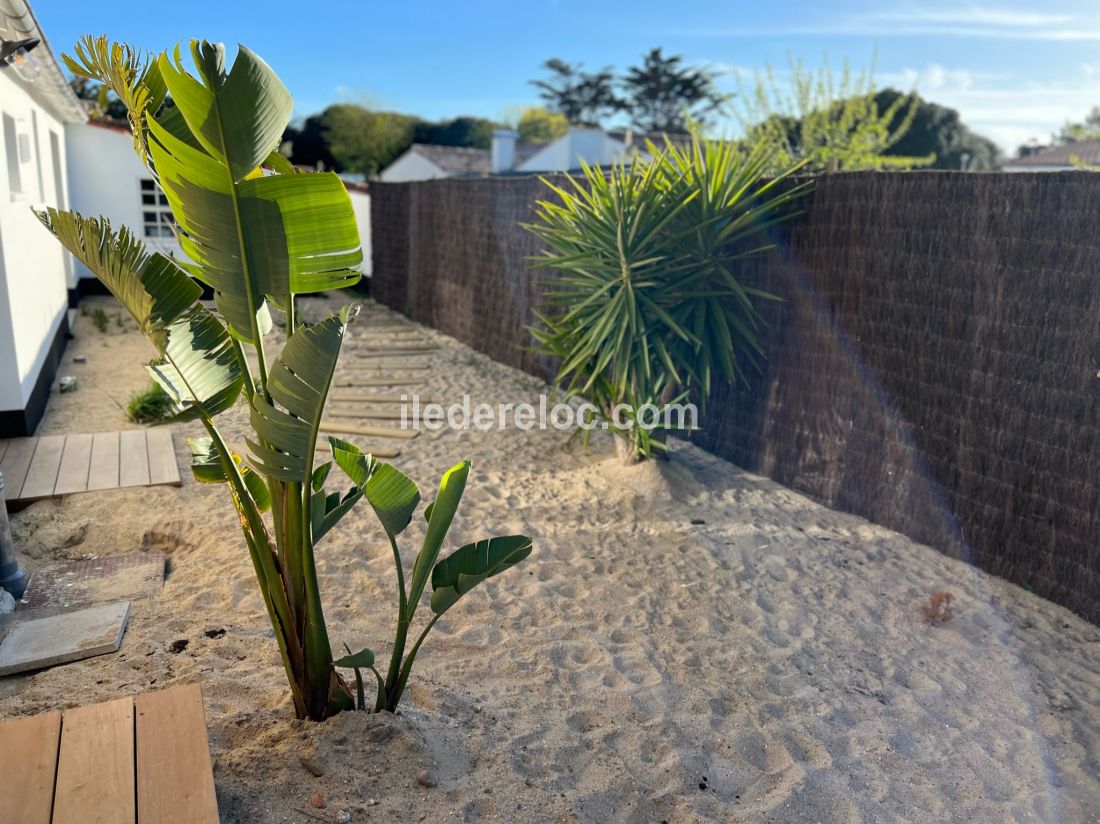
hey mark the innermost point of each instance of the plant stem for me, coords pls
(395, 696)
(403, 619)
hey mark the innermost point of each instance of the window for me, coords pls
(11, 149)
(58, 184)
(156, 216)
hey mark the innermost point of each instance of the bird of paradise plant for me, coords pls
(258, 233)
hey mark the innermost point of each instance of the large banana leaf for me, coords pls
(200, 369)
(153, 288)
(298, 382)
(444, 507)
(467, 567)
(249, 235)
(393, 497)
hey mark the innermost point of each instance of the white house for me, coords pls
(36, 104)
(1063, 158)
(106, 177)
(507, 156)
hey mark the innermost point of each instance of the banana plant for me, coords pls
(394, 498)
(257, 233)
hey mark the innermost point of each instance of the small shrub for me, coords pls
(149, 405)
(646, 302)
(938, 609)
(99, 320)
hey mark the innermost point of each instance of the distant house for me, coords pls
(1057, 158)
(508, 156)
(36, 274)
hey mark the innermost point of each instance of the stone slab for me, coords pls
(30, 641)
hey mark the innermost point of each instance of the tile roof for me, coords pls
(462, 160)
(1087, 151)
(455, 160)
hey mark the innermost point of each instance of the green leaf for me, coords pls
(207, 467)
(298, 232)
(444, 507)
(298, 383)
(200, 370)
(240, 116)
(364, 659)
(326, 510)
(154, 290)
(393, 497)
(350, 458)
(457, 574)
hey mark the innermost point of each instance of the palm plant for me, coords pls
(645, 303)
(257, 233)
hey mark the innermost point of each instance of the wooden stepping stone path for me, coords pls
(142, 759)
(53, 465)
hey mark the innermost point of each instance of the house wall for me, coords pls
(105, 177)
(360, 202)
(594, 146)
(932, 365)
(409, 167)
(34, 269)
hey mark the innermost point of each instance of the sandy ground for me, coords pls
(688, 642)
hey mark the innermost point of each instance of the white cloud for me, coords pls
(1008, 114)
(979, 22)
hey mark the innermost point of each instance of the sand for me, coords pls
(689, 642)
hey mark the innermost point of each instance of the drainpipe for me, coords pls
(11, 576)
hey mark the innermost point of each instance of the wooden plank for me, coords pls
(342, 427)
(133, 458)
(95, 771)
(370, 414)
(382, 380)
(378, 351)
(324, 451)
(395, 354)
(103, 471)
(373, 370)
(42, 475)
(163, 468)
(29, 746)
(175, 783)
(72, 476)
(355, 397)
(14, 466)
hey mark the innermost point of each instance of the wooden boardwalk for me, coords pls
(54, 465)
(143, 759)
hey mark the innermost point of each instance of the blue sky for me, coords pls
(1015, 70)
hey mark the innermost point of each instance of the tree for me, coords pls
(663, 95)
(540, 125)
(474, 132)
(585, 98)
(349, 138)
(831, 125)
(1076, 132)
(937, 130)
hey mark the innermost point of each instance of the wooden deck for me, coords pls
(143, 759)
(54, 465)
